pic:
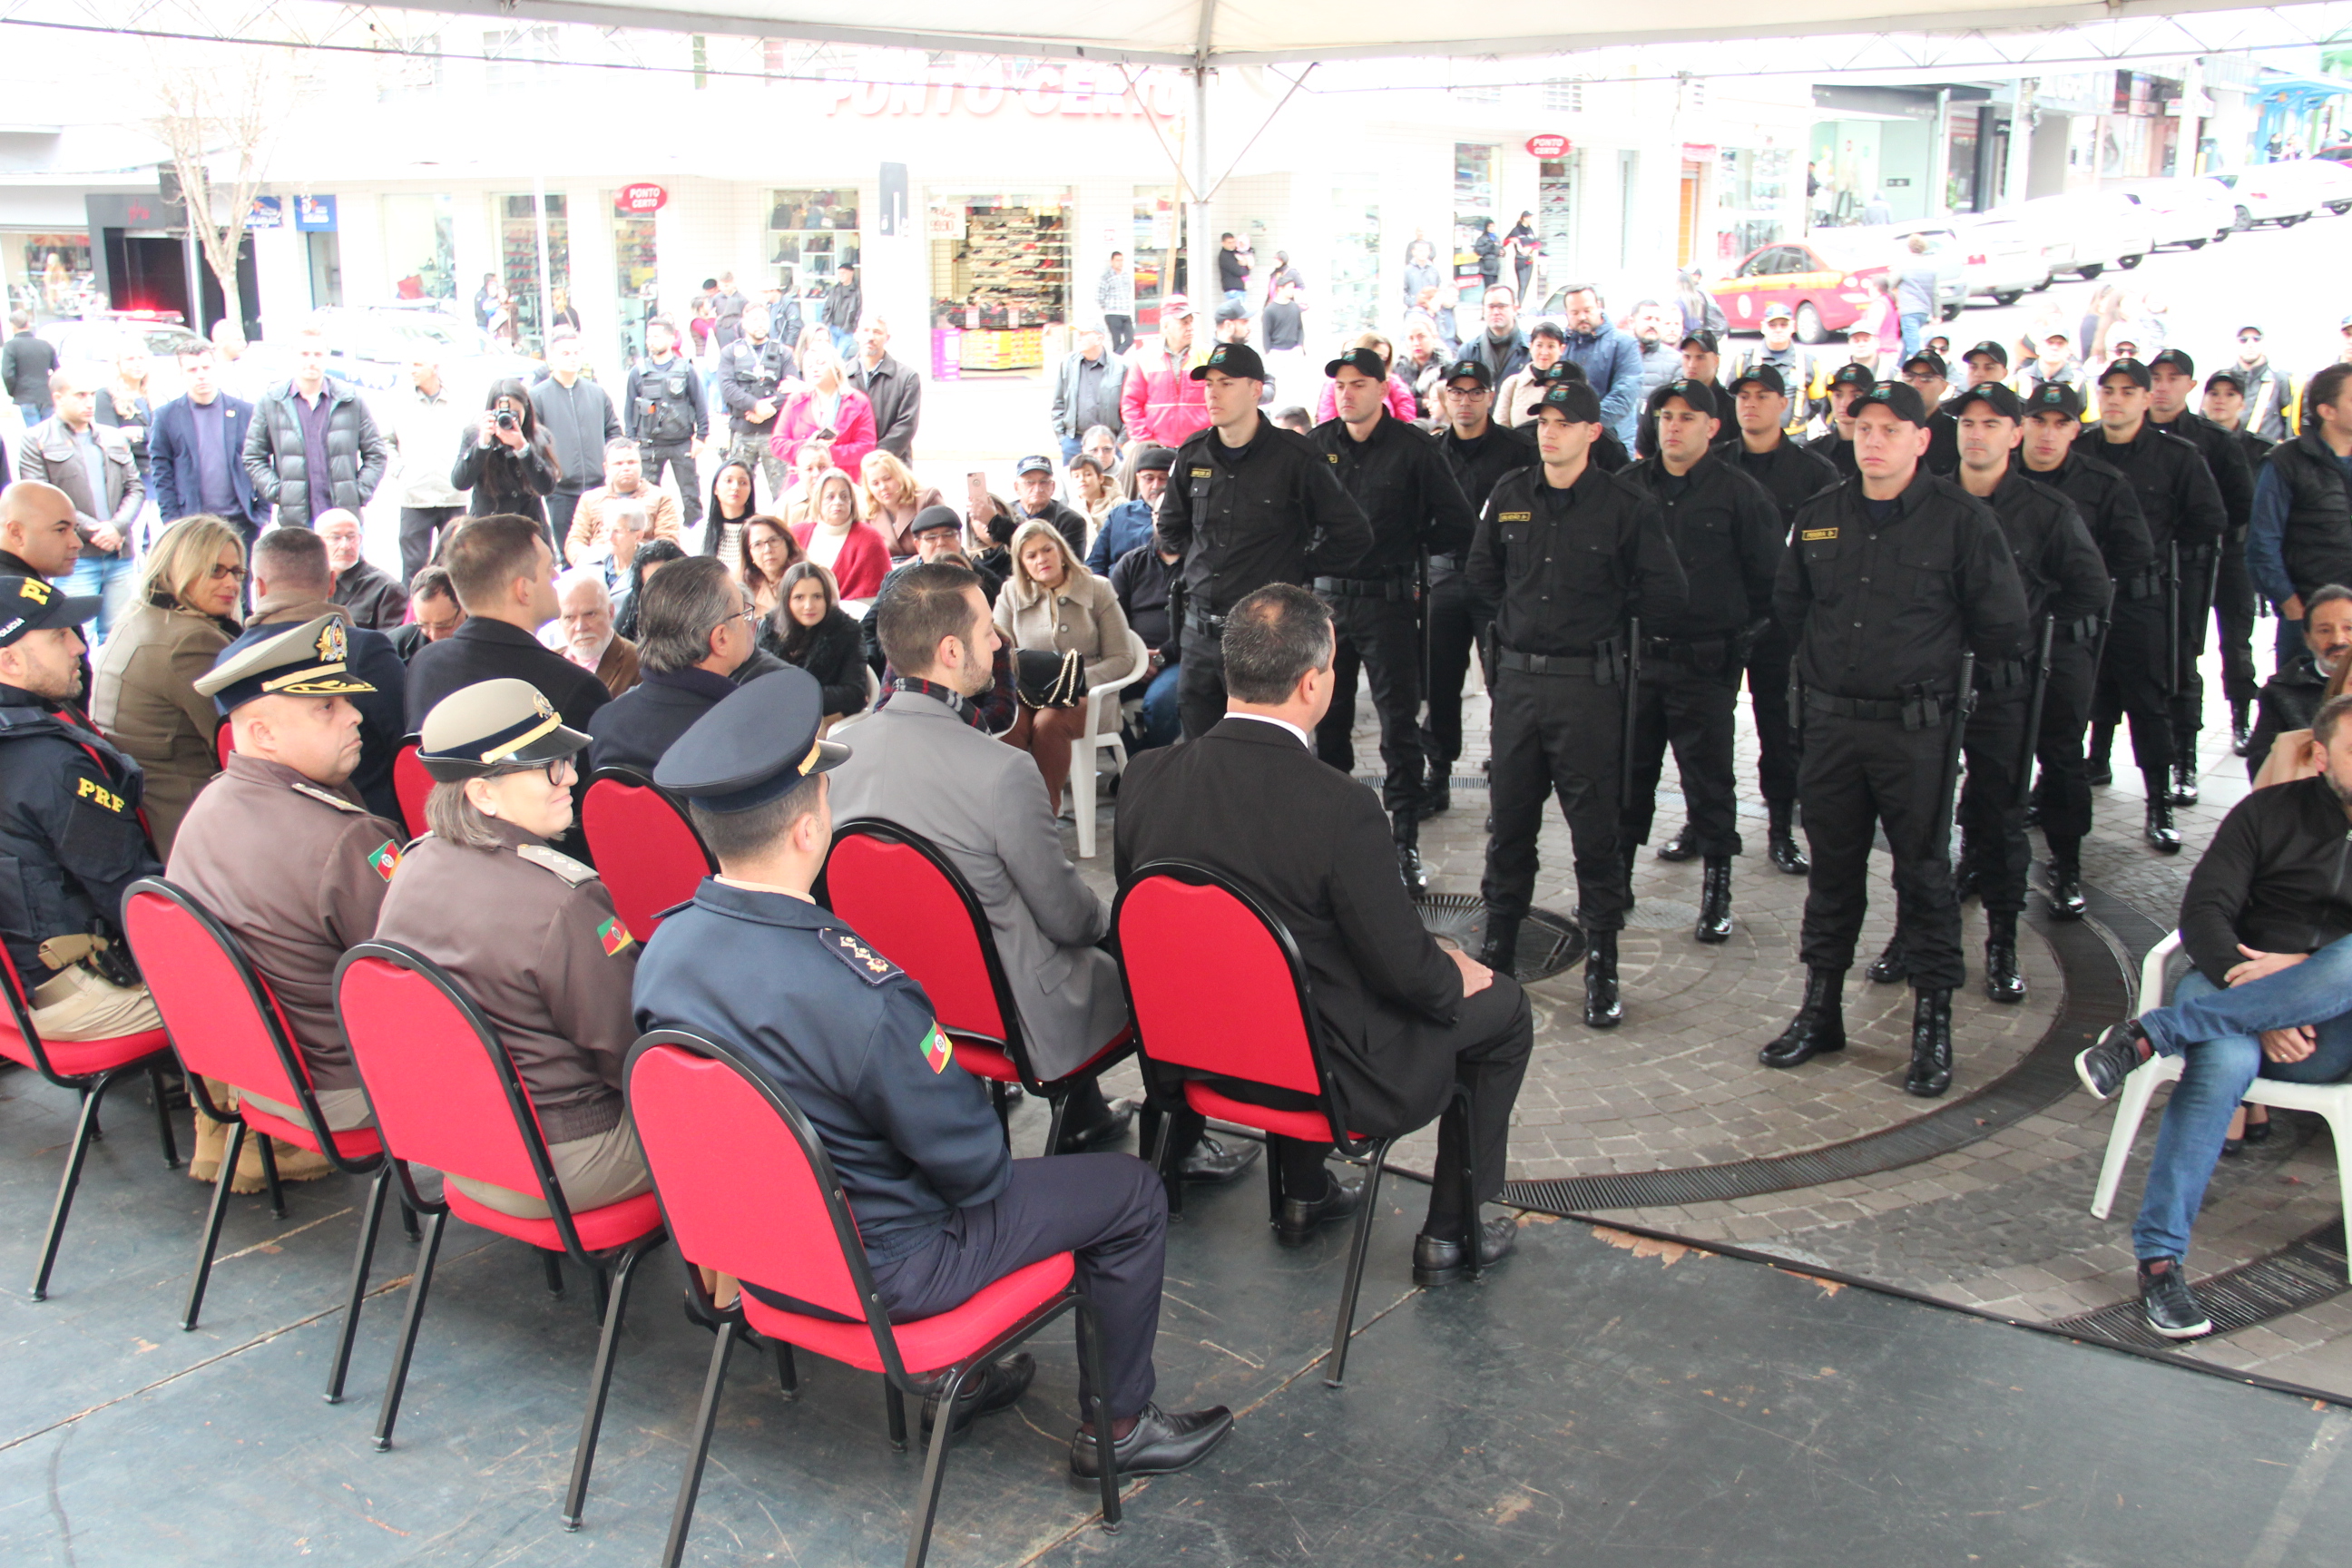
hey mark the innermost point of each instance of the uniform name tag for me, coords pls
(1514, 517)
(1810, 535)
(1204, 473)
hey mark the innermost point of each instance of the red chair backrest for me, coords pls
(647, 853)
(918, 914)
(223, 1018)
(436, 1071)
(739, 1182)
(410, 784)
(224, 743)
(18, 1039)
(1251, 1022)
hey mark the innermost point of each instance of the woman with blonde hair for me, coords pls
(144, 695)
(893, 497)
(837, 539)
(1094, 490)
(1052, 604)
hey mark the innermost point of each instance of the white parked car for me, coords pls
(2100, 228)
(2003, 255)
(2188, 213)
(371, 346)
(2266, 192)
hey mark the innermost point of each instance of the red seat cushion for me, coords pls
(1311, 1126)
(928, 1344)
(84, 1058)
(986, 1061)
(352, 1143)
(615, 1225)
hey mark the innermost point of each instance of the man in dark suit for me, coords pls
(693, 636)
(1405, 1019)
(197, 452)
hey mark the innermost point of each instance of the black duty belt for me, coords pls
(2001, 675)
(1701, 650)
(1389, 588)
(1577, 664)
(2085, 630)
(1917, 713)
(1204, 622)
(2145, 585)
(1445, 563)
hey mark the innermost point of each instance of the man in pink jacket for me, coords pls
(1160, 404)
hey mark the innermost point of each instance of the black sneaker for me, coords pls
(2107, 1063)
(2172, 1308)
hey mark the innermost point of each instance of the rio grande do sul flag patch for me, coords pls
(938, 1049)
(385, 859)
(615, 936)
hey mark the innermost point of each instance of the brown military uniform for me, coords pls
(298, 872)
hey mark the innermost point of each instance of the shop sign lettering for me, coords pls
(1080, 90)
(639, 198)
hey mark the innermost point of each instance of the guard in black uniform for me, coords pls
(2186, 523)
(1892, 582)
(1398, 475)
(1480, 452)
(2132, 638)
(1247, 503)
(2172, 385)
(1567, 554)
(1847, 383)
(943, 1209)
(1926, 373)
(2237, 607)
(1728, 537)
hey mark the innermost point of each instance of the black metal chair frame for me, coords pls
(92, 1087)
(944, 1387)
(264, 1004)
(617, 1264)
(1370, 1152)
(1055, 1092)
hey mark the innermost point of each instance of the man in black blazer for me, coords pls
(693, 635)
(1404, 1019)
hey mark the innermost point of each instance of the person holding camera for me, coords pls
(505, 459)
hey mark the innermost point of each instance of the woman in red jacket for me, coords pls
(838, 539)
(827, 410)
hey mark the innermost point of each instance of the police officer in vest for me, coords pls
(664, 415)
(1569, 556)
(69, 822)
(1728, 537)
(1893, 579)
(943, 1210)
(2120, 662)
(1247, 503)
(751, 370)
(1800, 374)
(1398, 475)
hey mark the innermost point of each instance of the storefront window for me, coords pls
(1000, 276)
(815, 233)
(1353, 302)
(1751, 198)
(1151, 247)
(1555, 219)
(49, 274)
(1473, 205)
(634, 282)
(420, 247)
(519, 266)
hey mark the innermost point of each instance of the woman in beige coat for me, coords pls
(144, 698)
(1052, 604)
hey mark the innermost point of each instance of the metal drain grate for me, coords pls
(2303, 1275)
(1661, 914)
(1548, 942)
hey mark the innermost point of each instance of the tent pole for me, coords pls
(1199, 248)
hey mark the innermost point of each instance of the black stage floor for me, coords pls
(1595, 1400)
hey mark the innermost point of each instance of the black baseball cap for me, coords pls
(1992, 350)
(2055, 397)
(2175, 358)
(33, 604)
(1035, 463)
(1362, 359)
(1574, 399)
(1933, 361)
(2226, 378)
(1994, 395)
(1697, 396)
(1475, 370)
(1898, 398)
(1706, 341)
(2131, 369)
(1850, 374)
(1766, 376)
(1232, 358)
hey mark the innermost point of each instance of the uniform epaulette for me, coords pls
(327, 796)
(572, 871)
(864, 962)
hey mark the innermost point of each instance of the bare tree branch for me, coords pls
(219, 112)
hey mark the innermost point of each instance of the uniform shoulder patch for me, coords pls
(572, 871)
(327, 796)
(90, 791)
(938, 1049)
(385, 859)
(863, 961)
(616, 937)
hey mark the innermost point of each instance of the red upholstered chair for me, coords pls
(89, 1067)
(747, 1190)
(226, 1023)
(410, 784)
(900, 892)
(1177, 922)
(224, 743)
(448, 1097)
(648, 854)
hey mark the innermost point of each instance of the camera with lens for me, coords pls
(506, 419)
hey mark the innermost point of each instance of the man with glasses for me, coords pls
(2267, 392)
(694, 631)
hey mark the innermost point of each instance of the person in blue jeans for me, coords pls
(2269, 910)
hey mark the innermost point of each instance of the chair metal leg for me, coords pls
(599, 1298)
(1360, 1244)
(622, 1277)
(91, 1094)
(553, 1262)
(237, 1131)
(894, 1405)
(1060, 1105)
(85, 1128)
(788, 1372)
(1273, 1181)
(269, 1176)
(409, 1219)
(1163, 1150)
(935, 1464)
(164, 1119)
(360, 1264)
(1001, 1103)
(1090, 1357)
(682, 1519)
(421, 1282)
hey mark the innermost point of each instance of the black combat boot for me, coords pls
(2241, 730)
(1890, 967)
(1819, 1027)
(2100, 771)
(2065, 889)
(1783, 843)
(1408, 851)
(2159, 832)
(1436, 798)
(1601, 1009)
(1679, 848)
(1931, 1045)
(1500, 951)
(1714, 902)
(2184, 784)
(2002, 982)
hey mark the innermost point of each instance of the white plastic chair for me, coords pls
(1102, 735)
(2333, 1100)
(872, 695)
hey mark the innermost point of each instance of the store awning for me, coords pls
(1256, 32)
(2283, 86)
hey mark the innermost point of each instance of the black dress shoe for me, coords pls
(1603, 1010)
(2258, 1131)
(1302, 1218)
(999, 1388)
(1437, 1261)
(1211, 1162)
(1099, 1133)
(1890, 967)
(1679, 848)
(2065, 891)
(1819, 1027)
(1408, 867)
(1159, 1444)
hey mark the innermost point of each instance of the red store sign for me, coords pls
(645, 198)
(1548, 146)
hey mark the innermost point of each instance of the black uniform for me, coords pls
(2235, 603)
(1943, 444)
(1728, 537)
(1457, 617)
(69, 824)
(1838, 451)
(1792, 474)
(2233, 475)
(1269, 512)
(1565, 569)
(664, 415)
(750, 373)
(1885, 597)
(1400, 476)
